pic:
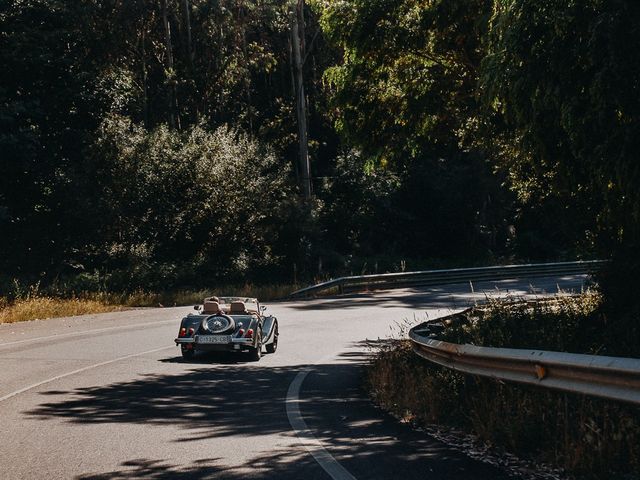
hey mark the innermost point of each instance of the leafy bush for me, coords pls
(563, 324)
(569, 324)
(179, 205)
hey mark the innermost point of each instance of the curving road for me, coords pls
(108, 396)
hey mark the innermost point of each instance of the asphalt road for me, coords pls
(108, 396)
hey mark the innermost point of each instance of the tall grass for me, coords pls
(34, 303)
(47, 307)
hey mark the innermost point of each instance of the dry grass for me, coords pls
(36, 305)
(46, 307)
(141, 298)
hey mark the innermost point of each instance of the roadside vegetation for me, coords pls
(40, 308)
(588, 438)
(34, 303)
(564, 324)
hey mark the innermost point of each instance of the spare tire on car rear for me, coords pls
(218, 324)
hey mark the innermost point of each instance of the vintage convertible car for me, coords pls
(231, 324)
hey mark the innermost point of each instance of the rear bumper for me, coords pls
(239, 340)
(235, 344)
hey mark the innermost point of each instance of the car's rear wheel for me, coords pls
(187, 353)
(272, 347)
(256, 353)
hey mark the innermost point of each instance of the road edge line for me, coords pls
(84, 332)
(80, 370)
(314, 446)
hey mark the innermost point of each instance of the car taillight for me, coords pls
(241, 332)
(183, 332)
(191, 332)
(249, 333)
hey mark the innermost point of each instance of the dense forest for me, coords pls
(168, 143)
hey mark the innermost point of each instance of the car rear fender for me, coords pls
(192, 321)
(268, 329)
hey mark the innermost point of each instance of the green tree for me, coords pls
(46, 108)
(564, 77)
(70, 67)
(407, 83)
(216, 203)
(405, 97)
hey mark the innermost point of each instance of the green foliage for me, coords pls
(420, 113)
(405, 97)
(434, 210)
(46, 108)
(406, 87)
(84, 108)
(565, 76)
(564, 79)
(566, 324)
(621, 291)
(215, 201)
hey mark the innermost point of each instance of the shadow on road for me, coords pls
(212, 358)
(218, 401)
(278, 464)
(231, 400)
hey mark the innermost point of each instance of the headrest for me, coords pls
(238, 307)
(210, 307)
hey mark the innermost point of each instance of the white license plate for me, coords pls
(213, 339)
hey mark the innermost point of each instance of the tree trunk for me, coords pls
(145, 78)
(292, 74)
(170, 72)
(301, 107)
(187, 20)
(247, 77)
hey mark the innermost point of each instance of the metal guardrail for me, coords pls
(606, 377)
(442, 277)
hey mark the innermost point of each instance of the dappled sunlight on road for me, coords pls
(212, 400)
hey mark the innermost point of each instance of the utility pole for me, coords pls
(297, 41)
